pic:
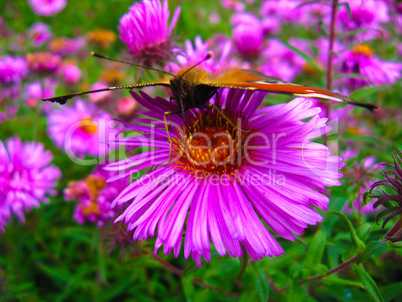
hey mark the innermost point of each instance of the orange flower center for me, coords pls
(88, 126)
(92, 208)
(362, 49)
(212, 144)
(102, 37)
(95, 184)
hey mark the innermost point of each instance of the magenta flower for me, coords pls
(9, 112)
(194, 54)
(39, 34)
(361, 60)
(47, 7)
(286, 11)
(35, 91)
(280, 61)
(100, 97)
(366, 14)
(222, 185)
(146, 32)
(81, 129)
(12, 69)
(43, 62)
(66, 46)
(127, 108)
(363, 174)
(248, 34)
(322, 46)
(71, 73)
(26, 178)
(95, 197)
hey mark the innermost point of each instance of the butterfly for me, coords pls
(193, 87)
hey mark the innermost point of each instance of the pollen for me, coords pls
(88, 126)
(363, 49)
(213, 144)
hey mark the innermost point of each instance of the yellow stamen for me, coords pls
(362, 49)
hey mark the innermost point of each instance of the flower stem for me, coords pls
(336, 269)
(330, 51)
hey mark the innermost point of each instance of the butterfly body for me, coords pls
(189, 92)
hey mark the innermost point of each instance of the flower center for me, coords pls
(94, 184)
(92, 208)
(212, 144)
(363, 49)
(88, 125)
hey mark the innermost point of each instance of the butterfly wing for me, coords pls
(255, 80)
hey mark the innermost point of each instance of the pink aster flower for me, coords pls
(248, 33)
(26, 178)
(282, 10)
(222, 184)
(95, 197)
(43, 62)
(9, 112)
(47, 7)
(361, 60)
(127, 108)
(322, 46)
(66, 46)
(71, 73)
(281, 61)
(363, 174)
(81, 129)
(194, 54)
(35, 91)
(12, 69)
(39, 34)
(100, 97)
(366, 14)
(146, 32)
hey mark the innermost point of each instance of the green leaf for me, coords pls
(368, 282)
(357, 243)
(366, 197)
(347, 6)
(262, 284)
(243, 263)
(316, 249)
(391, 291)
(364, 92)
(332, 279)
(57, 272)
(395, 245)
(305, 56)
(256, 286)
(188, 287)
(190, 269)
(310, 2)
(372, 248)
(364, 231)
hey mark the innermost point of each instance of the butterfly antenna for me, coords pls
(63, 99)
(94, 54)
(207, 57)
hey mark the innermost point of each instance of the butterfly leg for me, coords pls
(167, 133)
(226, 118)
(167, 125)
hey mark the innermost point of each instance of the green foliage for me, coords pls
(52, 258)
